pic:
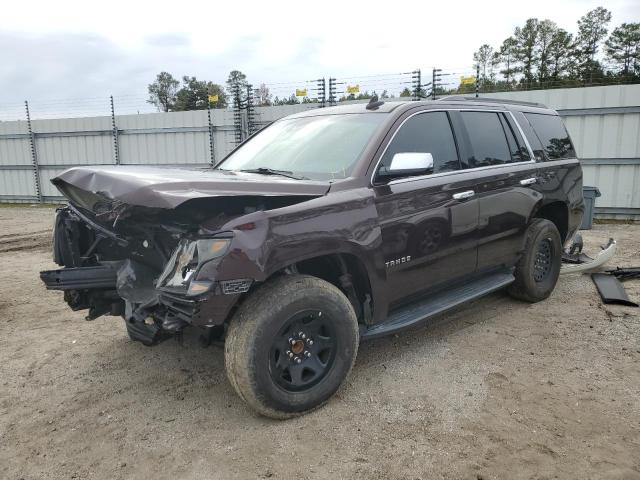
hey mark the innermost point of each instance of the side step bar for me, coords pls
(79, 278)
(417, 312)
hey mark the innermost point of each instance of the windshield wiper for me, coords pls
(271, 171)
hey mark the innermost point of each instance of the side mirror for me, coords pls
(409, 163)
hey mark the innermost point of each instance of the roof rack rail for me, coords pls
(457, 98)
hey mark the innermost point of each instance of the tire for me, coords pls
(290, 345)
(538, 269)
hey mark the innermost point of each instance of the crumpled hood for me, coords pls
(169, 187)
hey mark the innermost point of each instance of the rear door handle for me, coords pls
(463, 195)
(529, 181)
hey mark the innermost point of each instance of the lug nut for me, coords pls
(298, 360)
(300, 334)
(307, 354)
(303, 336)
(310, 342)
(290, 354)
(291, 341)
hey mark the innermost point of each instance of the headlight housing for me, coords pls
(187, 258)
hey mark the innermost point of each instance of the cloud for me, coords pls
(168, 40)
(55, 51)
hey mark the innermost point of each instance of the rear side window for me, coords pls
(553, 135)
(426, 133)
(488, 139)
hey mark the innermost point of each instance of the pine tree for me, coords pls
(623, 48)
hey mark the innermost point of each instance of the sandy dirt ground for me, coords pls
(498, 389)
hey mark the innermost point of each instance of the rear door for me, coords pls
(505, 175)
(428, 221)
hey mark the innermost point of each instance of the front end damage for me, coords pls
(161, 270)
(149, 271)
(164, 248)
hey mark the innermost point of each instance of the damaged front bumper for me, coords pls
(157, 298)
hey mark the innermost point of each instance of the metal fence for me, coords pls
(604, 123)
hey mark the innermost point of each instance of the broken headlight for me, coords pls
(188, 258)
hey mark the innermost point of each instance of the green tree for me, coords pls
(237, 87)
(236, 77)
(406, 93)
(485, 59)
(194, 95)
(546, 32)
(162, 92)
(561, 54)
(507, 57)
(592, 30)
(623, 48)
(526, 42)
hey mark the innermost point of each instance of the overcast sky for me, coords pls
(58, 53)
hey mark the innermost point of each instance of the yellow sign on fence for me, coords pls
(468, 80)
(353, 88)
(301, 92)
(213, 98)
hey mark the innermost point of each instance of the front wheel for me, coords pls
(291, 345)
(539, 267)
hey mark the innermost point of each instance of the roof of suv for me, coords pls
(451, 102)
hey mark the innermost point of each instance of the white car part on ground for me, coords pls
(603, 257)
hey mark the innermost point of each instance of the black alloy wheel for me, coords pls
(303, 351)
(543, 260)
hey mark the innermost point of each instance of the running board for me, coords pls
(419, 311)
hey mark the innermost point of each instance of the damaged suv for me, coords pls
(326, 228)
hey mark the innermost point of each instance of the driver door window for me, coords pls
(428, 132)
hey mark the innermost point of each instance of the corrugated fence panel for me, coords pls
(75, 150)
(165, 139)
(15, 151)
(164, 148)
(17, 183)
(618, 184)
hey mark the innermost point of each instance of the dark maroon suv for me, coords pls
(324, 229)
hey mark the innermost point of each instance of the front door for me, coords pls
(428, 220)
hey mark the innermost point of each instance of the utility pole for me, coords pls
(114, 130)
(478, 80)
(321, 88)
(332, 91)
(213, 162)
(435, 82)
(34, 154)
(416, 79)
(251, 120)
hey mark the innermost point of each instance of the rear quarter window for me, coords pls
(553, 136)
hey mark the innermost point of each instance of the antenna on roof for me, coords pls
(374, 103)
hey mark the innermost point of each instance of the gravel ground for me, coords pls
(496, 389)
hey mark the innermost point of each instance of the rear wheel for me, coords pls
(290, 345)
(538, 270)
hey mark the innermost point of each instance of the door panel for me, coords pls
(429, 238)
(505, 205)
(505, 182)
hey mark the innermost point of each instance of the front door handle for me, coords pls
(529, 181)
(463, 195)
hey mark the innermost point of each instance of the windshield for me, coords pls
(320, 148)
